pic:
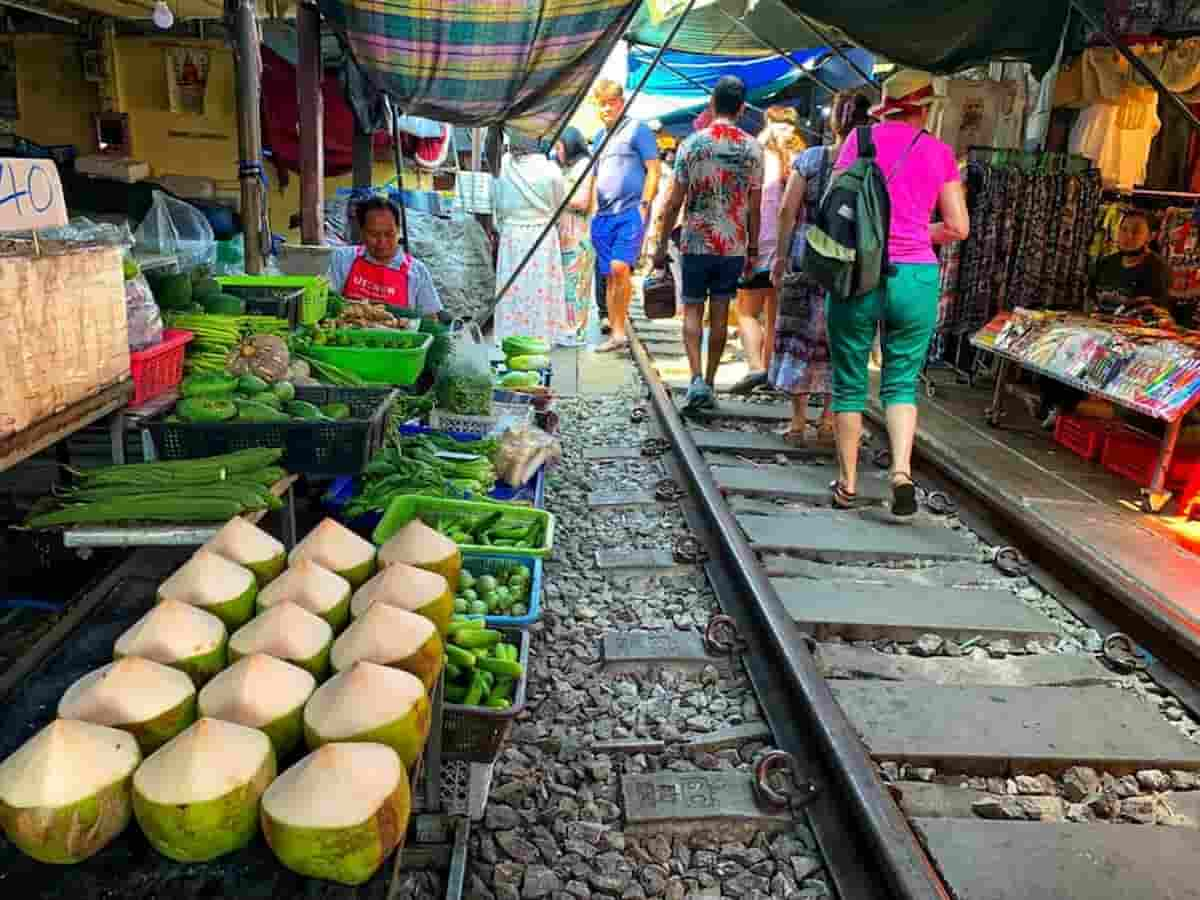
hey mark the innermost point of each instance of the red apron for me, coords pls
(374, 283)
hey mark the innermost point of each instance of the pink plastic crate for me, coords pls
(1132, 455)
(159, 368)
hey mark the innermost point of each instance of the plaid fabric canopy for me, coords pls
(482, 62)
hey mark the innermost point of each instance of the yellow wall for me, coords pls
(184, 144)
(55, 104)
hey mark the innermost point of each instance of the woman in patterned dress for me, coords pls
(527, 193)
(578, 255)
(800, 360)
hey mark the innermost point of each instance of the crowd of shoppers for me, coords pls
(736, 209)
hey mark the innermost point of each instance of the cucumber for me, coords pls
(251, 384)
(206, 409)
(464, 659)
(302, 409)
(253, 411)
(284, 391)
(207, 385)
(336, 410)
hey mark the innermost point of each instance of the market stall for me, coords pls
(1149, 371)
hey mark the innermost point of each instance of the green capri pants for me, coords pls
(907, 305)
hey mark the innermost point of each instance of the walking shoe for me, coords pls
(605, 328)
(699, 396)
(749, 382)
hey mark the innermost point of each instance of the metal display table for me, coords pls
(1156, 496)
(94, 536)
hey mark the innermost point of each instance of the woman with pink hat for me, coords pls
(922, 175)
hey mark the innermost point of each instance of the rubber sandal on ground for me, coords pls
(904, 497)
(842, 498)
(612, 346)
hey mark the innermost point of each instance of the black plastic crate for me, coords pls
(309, 448)
(477, 733)
(282, 303)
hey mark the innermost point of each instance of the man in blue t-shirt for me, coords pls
(626, 183)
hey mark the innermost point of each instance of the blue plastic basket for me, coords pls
(478, 564)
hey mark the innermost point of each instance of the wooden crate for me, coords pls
(63, 332)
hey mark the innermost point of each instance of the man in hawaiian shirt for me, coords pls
(719, 172)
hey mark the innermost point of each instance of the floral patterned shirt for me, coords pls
(718, 167)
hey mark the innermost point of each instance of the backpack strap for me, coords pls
(866, 143)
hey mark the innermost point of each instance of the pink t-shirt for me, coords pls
(913, 186)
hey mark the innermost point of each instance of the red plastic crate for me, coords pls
(160, 368)
(1082, 436)
(1133, 456)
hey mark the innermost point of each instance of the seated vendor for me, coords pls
(1134, 276)
(380, 271)
(1133, 283)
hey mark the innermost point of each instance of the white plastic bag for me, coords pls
(173, 227)
(465, 382)
(142, 313)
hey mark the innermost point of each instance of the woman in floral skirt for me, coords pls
(800, 359)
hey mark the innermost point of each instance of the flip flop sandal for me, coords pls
(842, 498)
(904, 497)
(611, 346)
(826, 435)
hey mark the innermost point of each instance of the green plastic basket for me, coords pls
(313, 302)
(404, 509)
(379, 366)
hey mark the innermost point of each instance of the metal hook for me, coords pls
(1010, 562)
(689, 550)
(940, 503)
(1121, 652)
(721, 635)
(803, 791)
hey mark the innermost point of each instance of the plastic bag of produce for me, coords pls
(464, 382)
(141, 311)
(523, 450)
(173, 227)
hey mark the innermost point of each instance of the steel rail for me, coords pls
(900, 858)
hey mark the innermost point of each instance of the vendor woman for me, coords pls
(381, 271)
(1133, 283)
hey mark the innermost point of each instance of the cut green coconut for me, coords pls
(339, 812)
(151, 701)
(261, 692)
(216, 585)
(372, 703)
(248, 545)
(416, 544)
(178, 635)
(286, 632)
(391, 636)
(65, 792)
(197, 798)
(313, 587)
(425, 593)
(337, 548)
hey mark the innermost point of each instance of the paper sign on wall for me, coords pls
(31, 195)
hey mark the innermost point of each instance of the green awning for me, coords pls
(941, 36)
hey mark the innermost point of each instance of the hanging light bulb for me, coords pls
(162, 15)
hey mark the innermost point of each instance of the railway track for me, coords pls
(961, 722)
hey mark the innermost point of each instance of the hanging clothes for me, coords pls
(1033, 225)
(1171, 161)
(1118, 137)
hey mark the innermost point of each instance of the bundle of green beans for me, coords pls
(213, 489)
(217, 335)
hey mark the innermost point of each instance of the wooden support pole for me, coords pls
(312, 125)
(363, 162)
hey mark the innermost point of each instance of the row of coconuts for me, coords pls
(171, 736)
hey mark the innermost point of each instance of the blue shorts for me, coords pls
(618, 237)
(710, 277)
